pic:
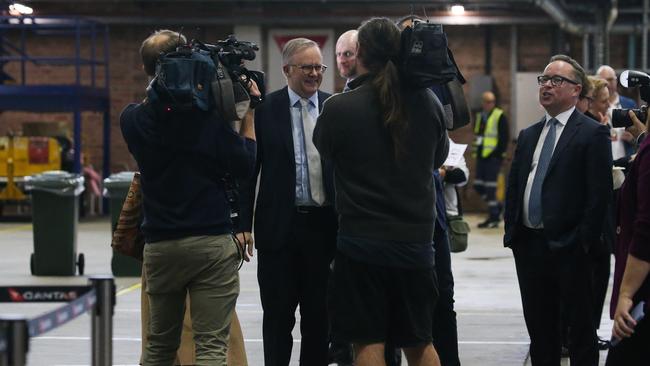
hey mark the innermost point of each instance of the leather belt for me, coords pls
(309, 209)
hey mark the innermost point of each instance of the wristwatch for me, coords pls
(641, 137)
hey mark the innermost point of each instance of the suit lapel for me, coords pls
(567, 134)
(282, 114)
(326, 165)
(322, 96)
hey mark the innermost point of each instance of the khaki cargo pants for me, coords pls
(202, 268)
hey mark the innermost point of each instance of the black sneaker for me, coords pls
(493, 224)
(484, 224)
(489, 224)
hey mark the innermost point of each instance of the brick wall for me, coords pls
(127, 80)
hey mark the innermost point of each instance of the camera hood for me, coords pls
(632, 78)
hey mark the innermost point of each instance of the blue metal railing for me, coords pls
(88, 37)
(15, 30)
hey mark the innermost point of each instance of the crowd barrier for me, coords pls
(98, 298)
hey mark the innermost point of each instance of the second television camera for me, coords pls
(207, 76)
(629, 79)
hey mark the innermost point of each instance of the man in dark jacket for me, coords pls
(183, 157)
(559, 188)
(295, 223)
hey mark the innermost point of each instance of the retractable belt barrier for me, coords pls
(98, 298)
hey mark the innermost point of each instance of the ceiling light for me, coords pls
(16, 9)
(457, 10)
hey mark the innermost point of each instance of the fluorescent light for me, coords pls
(457, 10)
(16, 9)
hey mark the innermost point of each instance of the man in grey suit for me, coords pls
(558, 191)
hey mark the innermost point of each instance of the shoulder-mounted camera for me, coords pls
(206, 77)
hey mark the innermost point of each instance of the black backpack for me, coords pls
(425, 56)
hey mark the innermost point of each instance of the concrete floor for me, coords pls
(490, 322)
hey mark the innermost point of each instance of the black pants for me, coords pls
(445, 333)
(633, 351)
(485, 184)
(297, 274)
(551, 282)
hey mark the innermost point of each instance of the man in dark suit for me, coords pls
(558, 191)
(295, 222)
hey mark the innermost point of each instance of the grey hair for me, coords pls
(605, 68)
(294, 46)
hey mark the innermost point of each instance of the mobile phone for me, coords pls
(637, 314)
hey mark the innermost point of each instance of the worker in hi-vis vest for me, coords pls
(490, 146)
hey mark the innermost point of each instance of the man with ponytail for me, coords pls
(384, 141)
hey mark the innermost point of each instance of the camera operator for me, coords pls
(632, 270)
(384, 141)
(183, 156)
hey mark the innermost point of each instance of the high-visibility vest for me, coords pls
(490, 138)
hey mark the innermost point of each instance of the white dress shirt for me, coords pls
(562, 119)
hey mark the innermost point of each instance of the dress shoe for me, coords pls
(339, 354)
(603, 344)
(564, 353)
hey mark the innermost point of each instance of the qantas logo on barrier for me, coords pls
(17, 296)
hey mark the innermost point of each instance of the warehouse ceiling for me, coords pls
(574, 16)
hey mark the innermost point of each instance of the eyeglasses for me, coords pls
(556, 80)
(345, 54)
(307, 69)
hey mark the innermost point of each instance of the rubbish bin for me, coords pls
(55, 215)
(116, 187)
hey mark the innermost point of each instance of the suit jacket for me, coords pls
(277, 187)
(577, 188)
(626, 102)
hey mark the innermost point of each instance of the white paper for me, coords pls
(456, 152)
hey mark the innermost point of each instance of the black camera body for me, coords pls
(632, 78)
(621, 118)
(231, 53)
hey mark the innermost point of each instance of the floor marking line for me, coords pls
(17, 228)
(129, 289)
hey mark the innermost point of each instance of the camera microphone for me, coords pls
(632, 78)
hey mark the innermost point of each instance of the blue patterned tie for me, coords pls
(535, 201)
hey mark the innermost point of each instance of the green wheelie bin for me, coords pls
(116, 187)
(55, 215)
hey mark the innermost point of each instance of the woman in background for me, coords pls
(631, 273)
